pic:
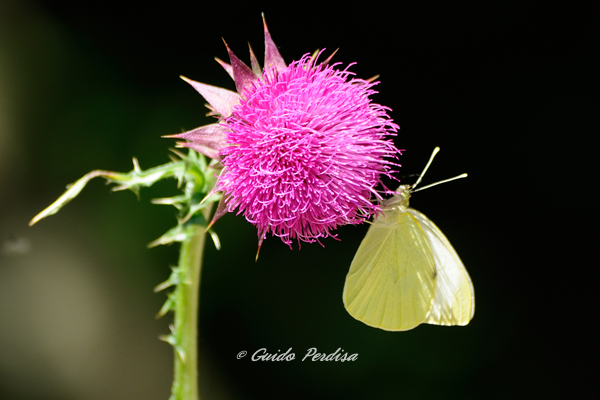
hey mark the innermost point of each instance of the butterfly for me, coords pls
(406, 272)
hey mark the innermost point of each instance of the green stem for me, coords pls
(191, 232)
(185, 383)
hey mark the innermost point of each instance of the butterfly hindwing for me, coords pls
(454, 302)
(391, 282)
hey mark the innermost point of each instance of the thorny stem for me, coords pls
(185, 334)
(197, 180)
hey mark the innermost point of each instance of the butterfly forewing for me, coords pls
(454, 302)
(391, 282)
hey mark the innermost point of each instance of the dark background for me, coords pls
(505, 91)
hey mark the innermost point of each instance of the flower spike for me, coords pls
(208, 140)
(328, 59)
(242, 74)
(254, 63)
(222, 100)
(221, 210)
(225, 66)
(272, 56)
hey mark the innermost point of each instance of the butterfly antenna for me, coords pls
(435, 151)
(440, 182)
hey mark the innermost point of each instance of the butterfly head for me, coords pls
(399, 201)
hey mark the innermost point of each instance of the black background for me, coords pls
(505, 90)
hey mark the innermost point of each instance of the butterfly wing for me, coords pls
(391, 281)
(454, 302)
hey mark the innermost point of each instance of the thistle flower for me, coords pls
(302, 146)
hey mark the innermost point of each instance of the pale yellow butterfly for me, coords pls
(406, 272)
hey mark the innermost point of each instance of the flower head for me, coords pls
(302, 146)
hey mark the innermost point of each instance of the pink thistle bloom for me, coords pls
(302, 146)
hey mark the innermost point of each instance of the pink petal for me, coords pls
(222, 100)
